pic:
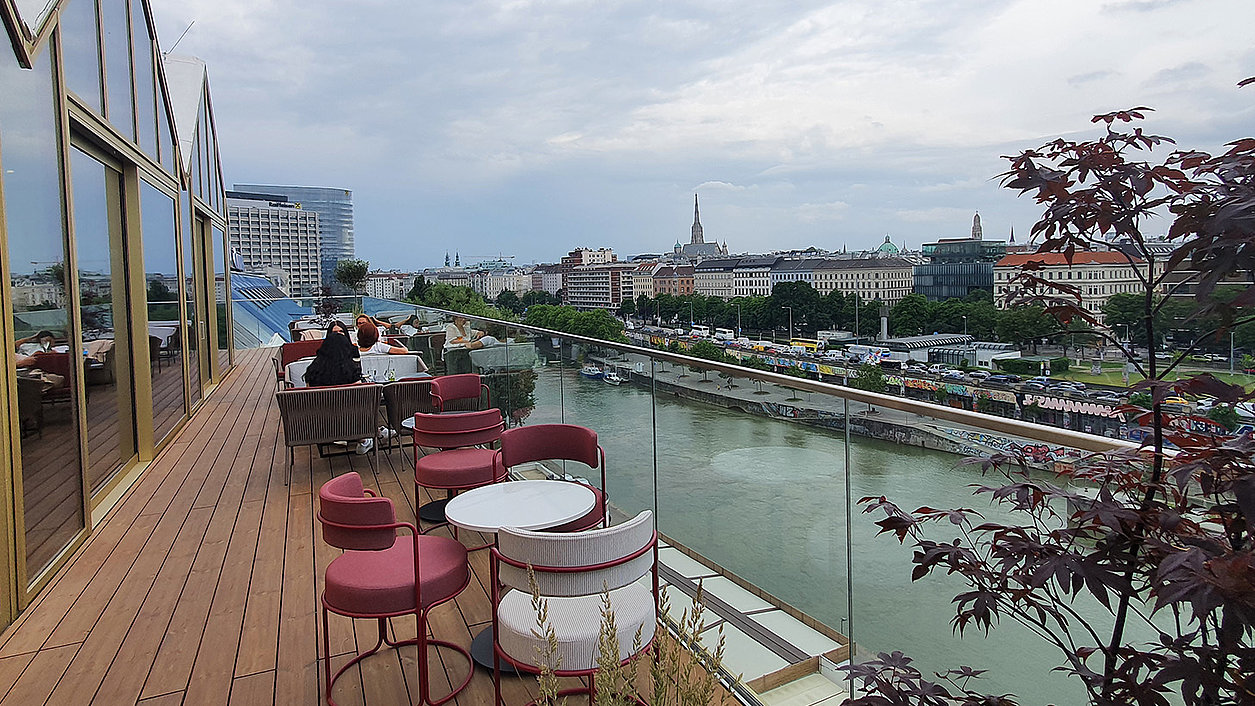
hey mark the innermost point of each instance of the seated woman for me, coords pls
(368, 341)
(460, 334)
(337, 362)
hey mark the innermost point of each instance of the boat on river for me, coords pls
(612, 378)
(592, 372)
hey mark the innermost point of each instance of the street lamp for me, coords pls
(1230, 351)
(965, 325)
(691, 321)
(738, 319)
(786, 306)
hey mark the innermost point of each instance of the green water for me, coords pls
(766, 500)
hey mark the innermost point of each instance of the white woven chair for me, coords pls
(572, 571)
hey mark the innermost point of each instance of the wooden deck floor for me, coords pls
(202, 586)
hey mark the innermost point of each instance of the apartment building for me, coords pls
(598, 286)
(1096, 275)
(713, 277)
(886, 279)
(676, 280)
(752, 276)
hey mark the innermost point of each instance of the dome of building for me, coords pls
(887, 248)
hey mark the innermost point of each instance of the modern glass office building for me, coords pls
(335, 219)
(111, 236)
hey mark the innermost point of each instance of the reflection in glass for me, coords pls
(118, 67)
(219, 257)
(80, 46)
(145, 98)
(47, 370)
(193, 303)
(163, 134)
(165, 339)
(98, 224)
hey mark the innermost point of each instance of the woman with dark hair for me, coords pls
(336, 362)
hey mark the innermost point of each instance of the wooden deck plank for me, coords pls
(202, 586)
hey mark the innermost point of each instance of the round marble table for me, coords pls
(525, 504)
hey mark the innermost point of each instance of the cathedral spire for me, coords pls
(976, 234)
(1013, 235)
(697, 224)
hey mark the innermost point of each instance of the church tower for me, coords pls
(697, 224)
(976, 234)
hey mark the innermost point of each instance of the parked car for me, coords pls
(979, 374)
(938, 368)
(1032, 385)
(1003, 380)
(952, 375)
(1108, 398)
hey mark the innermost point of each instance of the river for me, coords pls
(765, 499)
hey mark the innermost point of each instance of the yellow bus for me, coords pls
(811, 345)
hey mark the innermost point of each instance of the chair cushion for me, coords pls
(382, 582)
(593, 518)
(455, 468)
(577, 624)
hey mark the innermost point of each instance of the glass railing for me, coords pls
(754, 477)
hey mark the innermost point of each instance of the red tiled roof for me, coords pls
(1109, 257)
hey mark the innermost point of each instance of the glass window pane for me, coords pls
(191, 302)
(97, 234)
(47, 369)
(145, 97)
(163, 134)
(118, 65)
(218, 243)
(202, 138)
(165, 339)
(80, 48)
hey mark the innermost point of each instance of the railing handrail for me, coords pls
(1002, 425)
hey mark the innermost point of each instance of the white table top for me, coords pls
(525, 504)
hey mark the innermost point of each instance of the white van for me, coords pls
(724, 334)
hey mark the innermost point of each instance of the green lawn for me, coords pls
(1111, 375)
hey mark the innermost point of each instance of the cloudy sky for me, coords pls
(530, 127)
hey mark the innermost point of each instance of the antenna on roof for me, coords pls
(181, 36)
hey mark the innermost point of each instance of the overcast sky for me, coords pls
(529, 128)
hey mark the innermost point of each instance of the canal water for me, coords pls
(765, 499)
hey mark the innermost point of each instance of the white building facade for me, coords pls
(1095, 275)
(276, 233)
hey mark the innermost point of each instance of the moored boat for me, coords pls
(592, 371)
(612, 378)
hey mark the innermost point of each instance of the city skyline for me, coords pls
(530, 128)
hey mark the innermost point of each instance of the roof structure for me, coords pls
(1105, 257)
(185, 77)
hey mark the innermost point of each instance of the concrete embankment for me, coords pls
(818, 411)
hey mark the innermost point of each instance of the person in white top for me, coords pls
(460, 334)
(368, 341)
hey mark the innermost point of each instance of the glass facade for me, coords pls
(335, 219)
(107, 348)
(44, 369)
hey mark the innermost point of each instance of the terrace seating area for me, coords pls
(203, 584)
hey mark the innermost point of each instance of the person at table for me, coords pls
(368, 342)
(459, 334)
(337, 361)
(41, 342)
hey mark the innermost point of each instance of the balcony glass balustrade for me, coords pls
(754, 477)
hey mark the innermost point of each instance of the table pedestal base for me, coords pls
(433, 511)
(481, 652)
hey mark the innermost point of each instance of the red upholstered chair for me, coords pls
(572, 571)
(453, 392)
(461, 463)
(57, 364)
(559, 442)
(381, 575)
(291, 352)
